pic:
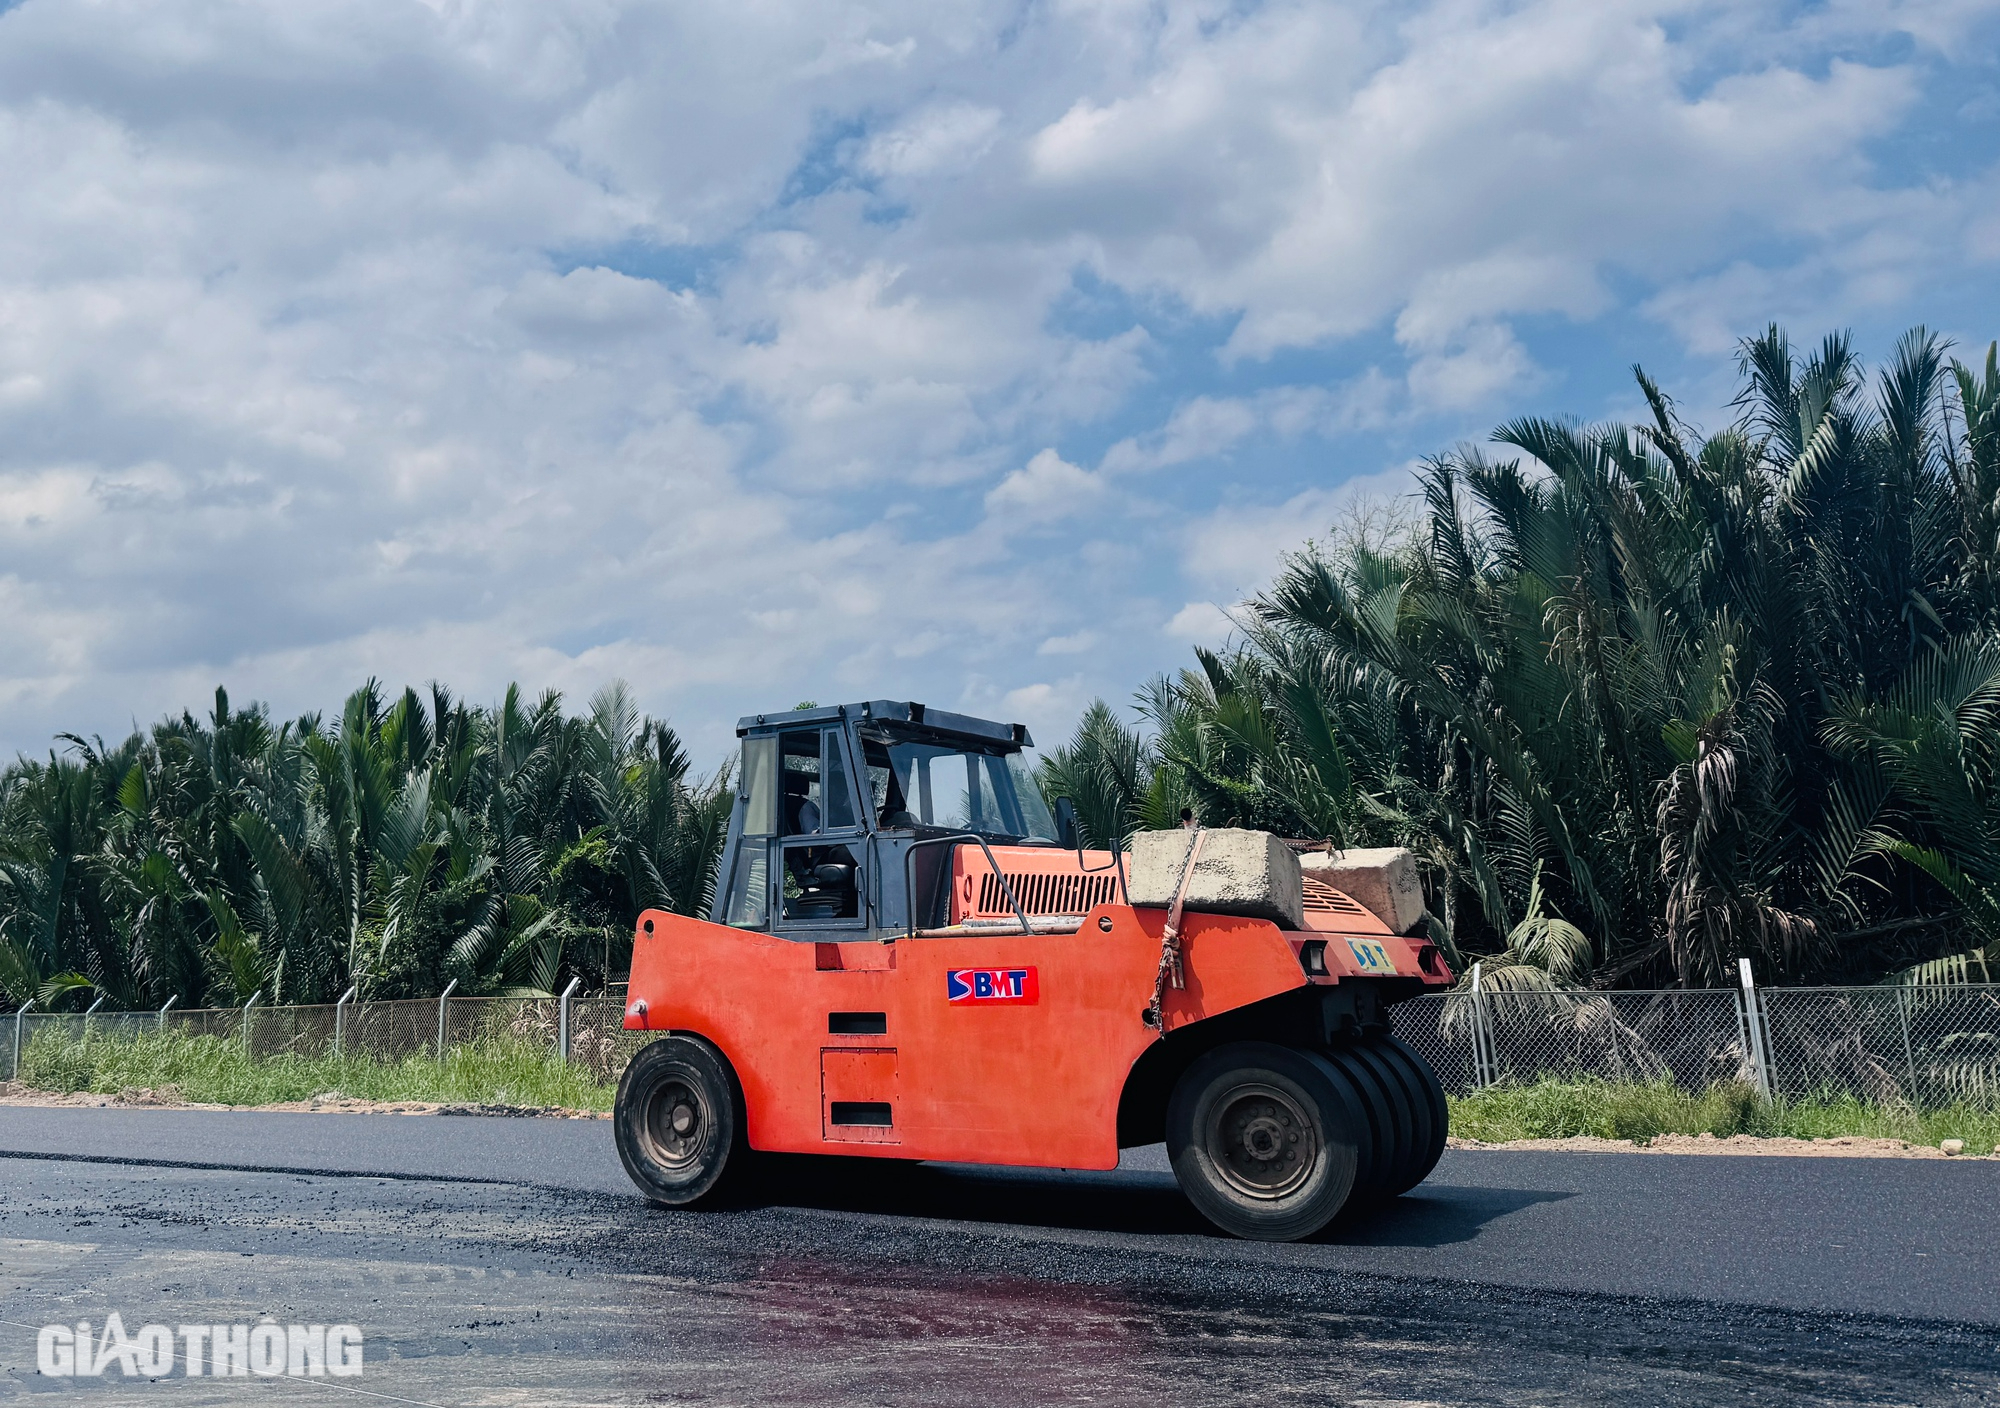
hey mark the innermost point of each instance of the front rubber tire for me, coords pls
(1263, 1140)
(678, 1122)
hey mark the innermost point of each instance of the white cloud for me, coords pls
(1201, 623)
(1047, 487)
(1236, 548)
(1048, 709)
(1075, 643)
(1471, 370)
(933, 140)
(579, 337)
(1206, 427)
(1499, 154)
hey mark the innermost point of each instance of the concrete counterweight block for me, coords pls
(1250, 873)
(1383, 881)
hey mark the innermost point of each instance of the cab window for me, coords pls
(749, 893)
(799, 773)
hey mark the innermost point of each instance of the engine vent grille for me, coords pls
(1047, 894)
(1327, 900)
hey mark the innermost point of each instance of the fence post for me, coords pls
(171, 1000)
(87, 1015)
(443, 998)
(1481, 1056)
(246, 1016)
(1753, 1024)
(562, 1018)
(1909, 1056)
(340, 1017)
(19, 1013)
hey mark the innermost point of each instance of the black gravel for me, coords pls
(1509, 1279)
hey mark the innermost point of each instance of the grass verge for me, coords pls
(1551, 1109)
(498, 1070)
(215, 1070)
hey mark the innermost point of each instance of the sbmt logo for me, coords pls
(991, 985)
(266, 1349)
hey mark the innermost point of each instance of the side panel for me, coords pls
(1024, 1068)
(858, 1090)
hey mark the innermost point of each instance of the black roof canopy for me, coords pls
(907, 713)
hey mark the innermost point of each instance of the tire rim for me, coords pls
(1261, 1141)
(675, 1125)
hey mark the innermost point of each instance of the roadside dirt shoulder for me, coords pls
(1845, 1147)
(330, 1103)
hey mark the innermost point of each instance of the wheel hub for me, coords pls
(675, 1124)
(1264, 1137)
(1261, 1141)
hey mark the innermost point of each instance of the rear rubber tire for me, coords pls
(1361, 1105)
(1419, 1071)
(1384, 1121)
(1413, 1109)
(678, 1122)
(1262, 1140)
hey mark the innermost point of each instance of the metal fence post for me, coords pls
(1753, 1023)
(1909, 1055)
(340, 1017)
(176, 997)
(246, 1016)
(562, 1018)
(87, 1013)
(19, 1013)
(443, 998)
(1482, 1059)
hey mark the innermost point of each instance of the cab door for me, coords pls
(820, 867)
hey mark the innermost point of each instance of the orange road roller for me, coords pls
(909, 957)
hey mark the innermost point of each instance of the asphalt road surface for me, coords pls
(507, 1261)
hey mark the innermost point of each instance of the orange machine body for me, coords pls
(977, 1042)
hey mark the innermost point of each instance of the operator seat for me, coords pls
(801, 812)
(826, 886)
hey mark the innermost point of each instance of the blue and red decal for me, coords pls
(992, 987)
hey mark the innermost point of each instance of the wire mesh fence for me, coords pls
(1919, 1046)
(386, 1031)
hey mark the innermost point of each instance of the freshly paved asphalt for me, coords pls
(1875, 1236)
(1508, 1277)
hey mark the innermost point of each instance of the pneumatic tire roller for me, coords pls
(909, 958)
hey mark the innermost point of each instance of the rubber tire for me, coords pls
(1414, 1107)
(1307, 1083)
(1433, 1089)
(1361, 1104)
(720, 1153)
(1385, 1160)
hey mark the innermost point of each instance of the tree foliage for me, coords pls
(1643, 701)
(414, 841)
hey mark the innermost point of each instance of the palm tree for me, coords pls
(1665, 691)
(417, 840)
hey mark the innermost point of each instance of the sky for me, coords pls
(985, 354)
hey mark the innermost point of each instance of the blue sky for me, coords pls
(985, 354)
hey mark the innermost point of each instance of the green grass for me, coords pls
(214, 1070)
(498, 1070)
(1551, 1109)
